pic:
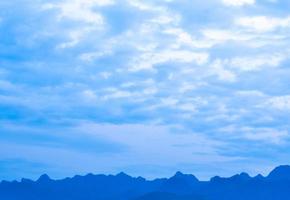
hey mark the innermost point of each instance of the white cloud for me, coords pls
(280, 102)
(184, 38)
(256, 62)
(263, 23)
(166, 19)
(145, 6)
(188, 86)
(89, 57)
(114, 93)
(140, 95)
(219, 36)
(148, 60)
(188, 107)
(266, 135)
(89, 95)
(218, 68)
(105, 75)
(253, 93)
(169, 101)
(79, 10)
(75, 37)
(238, 2)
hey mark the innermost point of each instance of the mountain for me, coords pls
(280, 173)
(179, 183)
(275, 186)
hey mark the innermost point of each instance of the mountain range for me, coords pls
(275, 186)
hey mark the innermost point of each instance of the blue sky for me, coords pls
(146, 87)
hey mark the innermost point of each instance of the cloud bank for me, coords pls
(148, 87)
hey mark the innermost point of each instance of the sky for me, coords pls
(146, 87)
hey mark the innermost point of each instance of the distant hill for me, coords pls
(275, 186)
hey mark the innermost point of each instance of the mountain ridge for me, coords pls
(276, 185)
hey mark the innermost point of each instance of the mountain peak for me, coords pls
(122, 174)
(178, 173)
(216, 179)
(43, 178)
(280, 173)
(259, 177)
(90, 175)
(244, 176)
(187, 177)
(240, 177)
(236, 178)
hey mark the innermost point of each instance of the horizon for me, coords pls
(145, 87)
(149, 179)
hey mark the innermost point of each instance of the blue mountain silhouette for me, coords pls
(275, 186)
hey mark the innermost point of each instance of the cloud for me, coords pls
(257, 134)
(257, 63)
(268, 136)
(263, 23)
(147, 61)
(184, 38)
(158, 71)
(222, 73)
(190, 145)
(254, 93)
(128, 138)
(79, 10)
(238, 2)
(279, 102)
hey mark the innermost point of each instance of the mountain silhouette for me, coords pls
(179, 183)
(275, 186)
(43, 179)
(280, 173)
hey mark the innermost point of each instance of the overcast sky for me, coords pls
(147, 87)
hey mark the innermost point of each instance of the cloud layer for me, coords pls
(150, 87)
